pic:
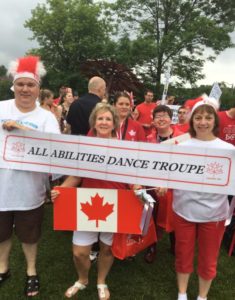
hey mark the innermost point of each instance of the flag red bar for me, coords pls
(129, 211)
(65, 207)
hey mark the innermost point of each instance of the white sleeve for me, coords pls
(51, 124)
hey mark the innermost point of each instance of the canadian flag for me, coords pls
(101, 210)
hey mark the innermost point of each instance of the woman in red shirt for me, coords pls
(128, 129)
(104, 123)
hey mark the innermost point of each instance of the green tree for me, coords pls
(3, 71)
(5, 91)
(68, 33)
(173, 32)
(5, 84)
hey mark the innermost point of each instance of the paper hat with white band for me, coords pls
(27, 67)
(209, 101)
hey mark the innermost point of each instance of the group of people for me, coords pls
(190, 216)
(59, 108)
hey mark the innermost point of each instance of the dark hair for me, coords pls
(44, 94)
(208, 109)
(170, 97)
(62, 98)
(182, 107)
(62, 90)
(162, 108)
(148, 91)
(119, 95)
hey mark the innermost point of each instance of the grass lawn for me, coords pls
(127, 280)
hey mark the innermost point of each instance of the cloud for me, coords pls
(14, 36)
(15, 41)
(222, 69)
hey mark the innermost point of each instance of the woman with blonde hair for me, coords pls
(104, 123)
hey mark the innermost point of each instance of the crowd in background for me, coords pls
(187, 216)
(151, 122)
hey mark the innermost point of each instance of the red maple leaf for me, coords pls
(97, 211)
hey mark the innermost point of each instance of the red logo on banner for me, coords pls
(214, 168)
(97, 211)
(18, 147)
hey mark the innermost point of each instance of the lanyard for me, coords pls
(160, 139)
(123, 135)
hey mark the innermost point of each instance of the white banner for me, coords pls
(174, 109)
(215, 91)
(167, 76)
(173, 166)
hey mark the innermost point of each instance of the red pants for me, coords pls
(165, 212)
(208, 235)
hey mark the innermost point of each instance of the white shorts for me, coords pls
(87, 238)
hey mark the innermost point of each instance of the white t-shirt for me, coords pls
(197, 206)
(23, 190)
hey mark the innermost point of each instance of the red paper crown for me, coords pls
(192, 104)
(208, 101)
(28, 67)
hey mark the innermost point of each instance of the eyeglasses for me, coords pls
(158, 117)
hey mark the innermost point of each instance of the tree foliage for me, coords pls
(68, 33)
(117, 76)
(144, 35)
(3, 71)
(5, 84)
(173, 32)
(183, 93)
(5, 91)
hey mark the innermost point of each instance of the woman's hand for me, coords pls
(137, 187)
(160, 191)
(54, 194)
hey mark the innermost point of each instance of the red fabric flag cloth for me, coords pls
(101, 210)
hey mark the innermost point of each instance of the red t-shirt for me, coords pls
(181, 127)
(146, 114)
(56, 101)
(226, 128)
(131, 130)
(103, 184)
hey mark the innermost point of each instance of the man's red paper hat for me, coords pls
(27, 67)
